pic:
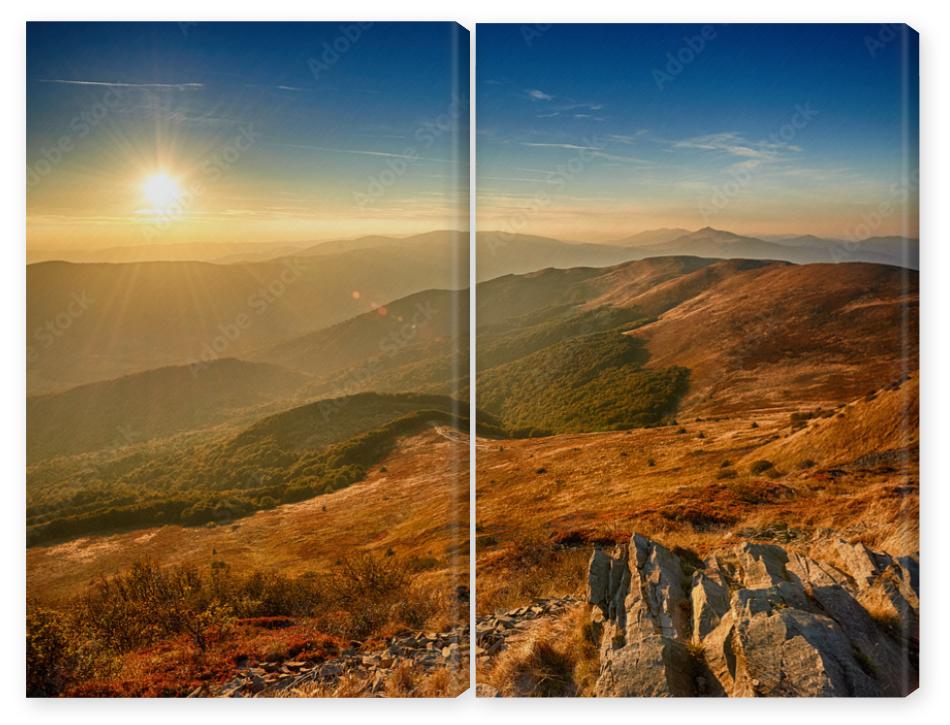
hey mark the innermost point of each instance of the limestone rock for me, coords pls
(643, 648)
(756, 621)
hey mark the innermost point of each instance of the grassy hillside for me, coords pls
(409, 514)
(878, 427)
(318, 424)
(291, 456)
(136, 408)
(403, 332)
(587, 383)
(788, 335)
(502, 343)
(753, 333)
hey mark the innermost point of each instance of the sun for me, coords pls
(161, 191)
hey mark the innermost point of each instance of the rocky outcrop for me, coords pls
(756, 621)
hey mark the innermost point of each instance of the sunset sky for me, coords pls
(164, 133)
(594, 132)
(161, 133)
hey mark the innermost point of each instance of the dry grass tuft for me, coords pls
(557, 659)
(402, 682)
(535, 669)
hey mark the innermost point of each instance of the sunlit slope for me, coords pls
(781, 334)
(88, 322)
(413, 502)
(419, 342)
(289, 456)
(752, 334)
(878, 427)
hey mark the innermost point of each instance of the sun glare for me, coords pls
(161, 191)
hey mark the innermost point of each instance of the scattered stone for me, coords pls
(428, 651)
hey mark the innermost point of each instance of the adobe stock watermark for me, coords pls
(390, 345)
(257, 304)
(741, 176)
(875, 217)
(80, 126)
(46, 335)
(533, 32)
(333, 50)
(210, 173)
(558, 179)
(679, 60)
(886, 34)
(424, 136)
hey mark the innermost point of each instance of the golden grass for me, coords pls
(413, 508)
(414, 503)
(600, 487)
(405, 680)
(556, 658)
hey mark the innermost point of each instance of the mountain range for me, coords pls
(501, 253)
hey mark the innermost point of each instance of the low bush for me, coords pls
(760, 466)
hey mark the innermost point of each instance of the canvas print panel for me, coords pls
(697, 350)
(246, 350)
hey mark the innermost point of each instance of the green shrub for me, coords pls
(591, 383)
(58, 655)
(760, 466)
(216, 483)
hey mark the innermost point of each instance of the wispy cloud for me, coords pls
(629, 138)
(735, 144)
(115, 84)
(362, 152)
(753, 153)
(280, 87)
(582, 106)
(536, 94)
(620, 158)
(569, 146)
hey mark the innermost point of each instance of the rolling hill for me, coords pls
(873, 429)
(222, 252)
(800, 249)
(709, 242)
(88, 322)
(142, 406)
(653, 236)
(780, 334)
(284, 457)
(413, 343)
(500, 253)
(753, 334)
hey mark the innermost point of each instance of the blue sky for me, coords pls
(274, 131)
(599, 131)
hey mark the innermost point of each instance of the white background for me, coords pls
(924, 706)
